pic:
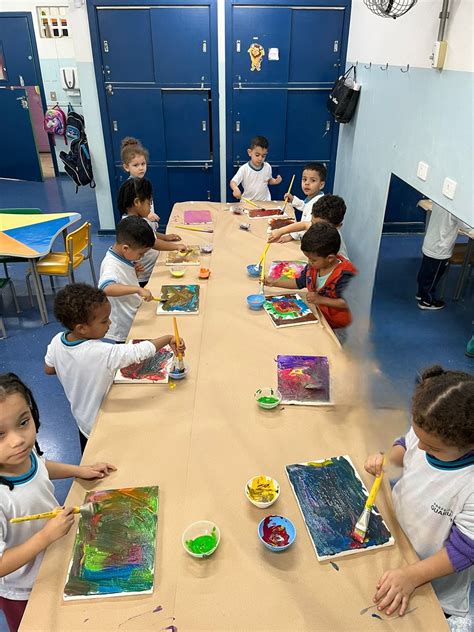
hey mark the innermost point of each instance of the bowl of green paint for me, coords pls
(267, 397)
(201, 538)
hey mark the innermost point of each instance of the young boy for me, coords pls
(118, 277)
(326, 275)
(327, 208)
(256, 174)
(85, 364)
(312, 183)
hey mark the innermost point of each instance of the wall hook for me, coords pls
(369, 66)
(384, 68)
(406, 69)
(356, 64)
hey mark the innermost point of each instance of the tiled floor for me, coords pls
(404, 339)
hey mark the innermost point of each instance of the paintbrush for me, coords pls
(262, 270)
(85, 510)
(288, 192)
(250, 202)
(199, 230)
(178, 353)
(363, 523)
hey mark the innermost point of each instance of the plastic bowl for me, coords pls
(255, 301)
(261, 481)
(174, 375)
(177, 272)
(253, 270)
(276, 533)
(205, 532)
(268, 397)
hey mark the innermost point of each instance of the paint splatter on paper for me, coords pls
(153, 370)
(188, 258)
(179, 299)
(197, 217)
(114, 549)
(286, 269)
(280, 222)
(331, 498)
(304, 380)
(267, 213)
(288, 310)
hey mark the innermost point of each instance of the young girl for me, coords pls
(434, 498)
(134, 198)
(26, 488)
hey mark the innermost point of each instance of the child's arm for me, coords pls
(289, 284)
(236, 192)
(49, 370)
(86, 472)
(278, 233)
(374, 462)
(276, 180)
(168, 237)
(317, 299)
(167, 244)
(117, 289)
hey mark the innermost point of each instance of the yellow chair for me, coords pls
(64, 263)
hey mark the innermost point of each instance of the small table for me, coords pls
(31, 237)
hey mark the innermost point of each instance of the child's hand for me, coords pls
(182, 247)
(181, 347)
(268, 281)
(394, 589)
(374, 463)
(288, 197)
(237, 194)
(274, 236)
(171, 237)
(145, 294)
(285, 238)
(153, 217)
(277, 180)
(139, 267)
(58, 526)
(96, 470)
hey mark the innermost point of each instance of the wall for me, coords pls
(403, 118)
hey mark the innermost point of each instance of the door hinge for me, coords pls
(106, 46)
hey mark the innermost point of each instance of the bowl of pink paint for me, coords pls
(201, 538)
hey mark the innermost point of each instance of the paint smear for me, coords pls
(303, 379)
(274, 534)
(197, 217)
(286, 269)
(264, 212)
(203, 544)
(114, 549)
(288, 310)
(179, 299)
(262, 489)
(189, 258)
(331, 499)
(377, 616)
(154, 369)
(335, 566)
(280, 222)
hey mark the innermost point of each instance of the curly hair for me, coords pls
(131, 189)
(131, 147)
(331, 208)
(10, 384)
(321, 240)
(443, 403)
(319, 167)
(75, 303)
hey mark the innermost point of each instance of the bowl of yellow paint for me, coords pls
(268, 397)
(177, 272)
(201, 538)
(262, 491)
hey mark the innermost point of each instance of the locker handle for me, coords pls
(109, 89)
(115, 126)
(204, 46)
(203, 126)
(237, 126)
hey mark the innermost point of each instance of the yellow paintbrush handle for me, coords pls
(176, 336)
(250, 202)
(264, 253)
(374, 491)
(199, 230)
(42, 516)
(291, 184)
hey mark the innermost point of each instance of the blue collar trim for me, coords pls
(253, 168)
(27, 476)
(458, 464)
(120, 258)
(66, 342)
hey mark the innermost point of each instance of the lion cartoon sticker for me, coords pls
(256, 52)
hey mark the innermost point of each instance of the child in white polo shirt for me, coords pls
(256, 174)
(84, 363)
(434, 498)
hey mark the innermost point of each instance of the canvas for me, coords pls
(331, 497)
(114, 549)
(288, 310)
(286, 269)
(197, 217)
(154, 370)
(304, 380)
(178, 299)
(188, 258)
(280, 222)
(267, 213)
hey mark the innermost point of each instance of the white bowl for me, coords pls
(259, 503)
(199, 529)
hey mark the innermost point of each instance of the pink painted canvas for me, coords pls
(197, 217)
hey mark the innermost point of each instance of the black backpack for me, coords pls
(75, 126)
(77, 163)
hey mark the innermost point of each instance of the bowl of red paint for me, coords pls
(201, 538)
(268, 397)
(276, 533)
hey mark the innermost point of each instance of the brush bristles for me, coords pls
(361, 527)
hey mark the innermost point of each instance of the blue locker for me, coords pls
(316, 40)
(159, 179)
(190, 183)
(308, 125)
(126, 46)
(186, 125)
(15, 42)
(180, 58)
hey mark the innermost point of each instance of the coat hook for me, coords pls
(386, 66)
(369, 66)
(406, 69)
(356, 64)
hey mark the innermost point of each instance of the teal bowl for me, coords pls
(255, 301)
(254, 270)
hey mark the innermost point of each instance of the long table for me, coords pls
(202, 440)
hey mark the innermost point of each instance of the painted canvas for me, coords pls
(178, 299)
(280, 222)
(266, 213)
(331, 497)
(154, 370)
(288, 310)
(114, 549)
(197, 217)
(304, 380)
(286, 269)
(188, 258)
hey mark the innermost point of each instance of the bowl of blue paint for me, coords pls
(276, 533)
(201, 538)
(268, 397)
(253, 270)
(175, 374)
(255, 301)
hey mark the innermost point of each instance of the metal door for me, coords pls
(16, 48)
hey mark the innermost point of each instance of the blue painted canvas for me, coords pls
(331, 497)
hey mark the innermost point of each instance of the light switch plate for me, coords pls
(422, 171)
(52, 96)
(449, 188)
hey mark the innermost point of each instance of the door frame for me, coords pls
(29, 18)
(346, 4)
(99, 77)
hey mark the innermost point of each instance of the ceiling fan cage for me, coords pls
(390, 8)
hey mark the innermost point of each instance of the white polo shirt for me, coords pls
(149, 258)
(86, 370)
(441, 233)
(254, 181)
(306, 207)
(117, 269)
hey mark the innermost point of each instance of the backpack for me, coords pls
(55, 122)
(74, 125)
(77, 163)
(344, 96)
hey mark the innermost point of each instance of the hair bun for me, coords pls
(432, 371)
(129, 140)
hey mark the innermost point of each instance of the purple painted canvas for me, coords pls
(304, 380)
(197, 217)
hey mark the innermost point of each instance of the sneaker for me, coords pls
(434, 304)
(418, 297)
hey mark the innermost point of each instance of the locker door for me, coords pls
(126, 45)
(186, 124)
(308, 126)
(16, 46)
(159, 178)
(190, 183)
(181, 43)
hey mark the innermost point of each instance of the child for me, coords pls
(434, 498)
(83, 362)
(326, 275)
(134, 161)
(25, 489)
(327, 208)
(135, 198)
(256, 174)
(118, 277)
(312, 183)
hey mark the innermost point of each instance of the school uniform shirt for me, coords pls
(441, 233)
(149, 258)
(32, 493)
(306, 208)
(86, 370)
(434, 503)
(254, 181)
(117, 269)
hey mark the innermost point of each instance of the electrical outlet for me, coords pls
(422, 171)
(52, 96)
(449, 188)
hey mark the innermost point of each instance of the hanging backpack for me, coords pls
(344, 96)
(77, 163)
(74, 125)
(54, 122)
